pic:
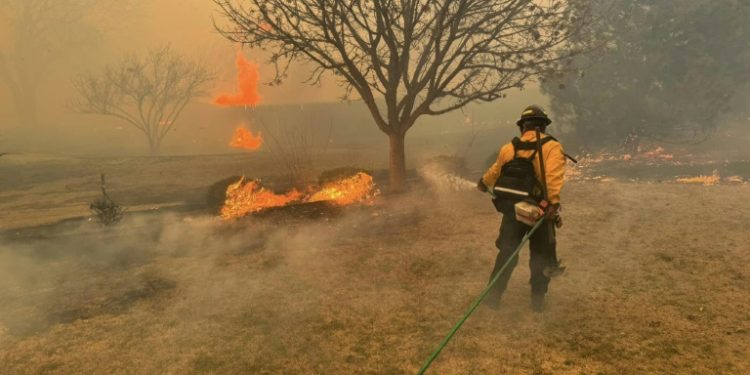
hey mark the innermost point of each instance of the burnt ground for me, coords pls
(657, 283)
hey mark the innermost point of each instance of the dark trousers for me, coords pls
(542, 255)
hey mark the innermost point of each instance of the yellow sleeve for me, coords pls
(492, 174)
(555, 169)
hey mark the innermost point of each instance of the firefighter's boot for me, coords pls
(554, 270)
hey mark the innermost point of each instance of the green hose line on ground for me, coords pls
(478, 300)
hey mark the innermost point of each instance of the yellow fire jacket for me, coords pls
(554, 164)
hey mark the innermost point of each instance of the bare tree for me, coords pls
(409, 58)
(147, 92)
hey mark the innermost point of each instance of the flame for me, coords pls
(359, 188)
(247, 85)
(711, 180)
(658, 153)
(244, 139)
(247, 198)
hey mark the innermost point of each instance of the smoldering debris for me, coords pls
(79, 271)
(84, 271)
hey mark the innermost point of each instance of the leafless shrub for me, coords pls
(105, 209)
(296, 147)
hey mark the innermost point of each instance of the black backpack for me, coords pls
(517, 181)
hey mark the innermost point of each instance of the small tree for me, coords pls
(147, 92)
(410, 58)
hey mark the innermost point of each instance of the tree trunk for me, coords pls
(397, 170)
(154, 145)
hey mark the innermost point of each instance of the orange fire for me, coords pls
(247, 198)
(359, 188)
(247, 85)
(245, 139)
(711, 180)
(265, 26)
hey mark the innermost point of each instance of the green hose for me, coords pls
(478, 300)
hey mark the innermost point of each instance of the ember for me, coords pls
(658, 153)
(245, 139)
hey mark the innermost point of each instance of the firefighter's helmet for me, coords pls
(533, 112)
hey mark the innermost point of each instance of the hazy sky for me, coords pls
(186, 25)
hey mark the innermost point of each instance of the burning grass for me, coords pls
(248, 197)
(656, 165)
(713, 179)
(359, 188)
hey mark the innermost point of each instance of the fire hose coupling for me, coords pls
(483, 188)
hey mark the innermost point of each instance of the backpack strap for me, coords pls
(528, 146)
(551, 138)
(518, 144)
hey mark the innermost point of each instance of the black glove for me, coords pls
(558, 222)
(553, 214)
(481, 186)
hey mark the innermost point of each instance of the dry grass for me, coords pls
(39, 189)
(657, 283)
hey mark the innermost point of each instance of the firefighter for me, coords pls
(519, 161)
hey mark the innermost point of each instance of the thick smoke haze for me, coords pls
(123, 28)
(277, 229)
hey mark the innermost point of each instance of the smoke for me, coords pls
(180, 265)
(247, 85)
(64, 274)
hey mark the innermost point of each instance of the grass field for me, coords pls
(657, 283)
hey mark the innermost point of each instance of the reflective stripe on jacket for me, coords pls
(554, 164)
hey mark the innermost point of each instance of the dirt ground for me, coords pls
(657, 283)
